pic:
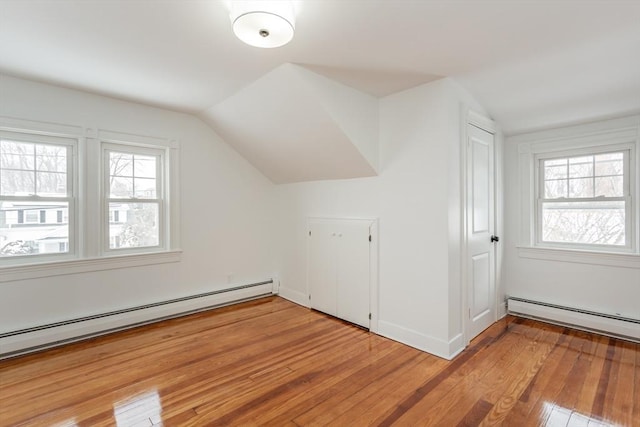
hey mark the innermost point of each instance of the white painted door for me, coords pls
(321, 268)
(353, 272)
(480, 231)
(339, 268)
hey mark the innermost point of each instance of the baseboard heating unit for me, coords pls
(22, 341)
(600, 323)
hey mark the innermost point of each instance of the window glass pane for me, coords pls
(121, 188)
(594, 223)
(30, 217)
(138, 226)
(16, 161)
(555, 188)
(144, 166)
(16, 183)
(145, 188)
(581, 167)
(18, 154)
(581, 187)
(28, 169)
(556, 162)
(51, 184)
(555, 172)
(610, 186)
(51, 158)
(120, 164)
(23, 233)
(609, 164)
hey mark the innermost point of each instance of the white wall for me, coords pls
(227, 211)
(585, 284)
(234, 221)
(417, 200)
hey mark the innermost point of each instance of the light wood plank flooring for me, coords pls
(271, 362)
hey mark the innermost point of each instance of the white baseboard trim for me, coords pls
(294, 296)
(46, 336)
(456, 346)
(600, 323)
(502, 310)
(444, 349)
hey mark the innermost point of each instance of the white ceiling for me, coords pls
(530, 63)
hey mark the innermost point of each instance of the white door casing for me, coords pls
(480, 250)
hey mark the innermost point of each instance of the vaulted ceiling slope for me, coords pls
(531, 63)
(295, 125)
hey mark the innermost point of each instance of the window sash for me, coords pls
(107, 200)
(626, 187)
(70, 146)
(626, 198)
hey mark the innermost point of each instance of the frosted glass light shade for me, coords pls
(264, 26)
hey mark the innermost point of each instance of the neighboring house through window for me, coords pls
(134, 186)
(65, 196)
(36, 177)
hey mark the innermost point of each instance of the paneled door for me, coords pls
(480, 231)
(338, 268)
(322, 271)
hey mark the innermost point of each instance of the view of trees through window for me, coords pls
(133, 195)
(583, 199)
(34, 200)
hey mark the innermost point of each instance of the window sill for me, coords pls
(61, 268)
(580, 256)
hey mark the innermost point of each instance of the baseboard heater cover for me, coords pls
(29, 340)
(606, 324)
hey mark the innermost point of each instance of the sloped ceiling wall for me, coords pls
(295, 125)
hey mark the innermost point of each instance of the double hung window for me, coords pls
(134, 197)
(69, 197)
(37, 190)
(584, 199)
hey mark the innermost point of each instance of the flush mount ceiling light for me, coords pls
(263, 23)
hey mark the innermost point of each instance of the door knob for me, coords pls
(495, 239)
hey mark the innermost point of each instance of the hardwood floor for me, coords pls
(271, 362)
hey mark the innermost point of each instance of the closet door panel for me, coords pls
(322, 275)
(353, 272)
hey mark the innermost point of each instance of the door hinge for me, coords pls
(309, 232)
(369, 316)
(469, 311)
(369, 237)
(309, 296)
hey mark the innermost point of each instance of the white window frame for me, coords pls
(86, 215)
(627, 150)
(160, 200)
(605, 136)
(72, 172)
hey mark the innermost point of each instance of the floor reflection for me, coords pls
(67, 423)
(142, 410)
(557, 416)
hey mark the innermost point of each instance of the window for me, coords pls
(134, 187)
(578, 190)
(36, 179)
(83, 200)
(584, 199)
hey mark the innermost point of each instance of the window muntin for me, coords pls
(584, 200)
(36, 182)
(134, 197)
